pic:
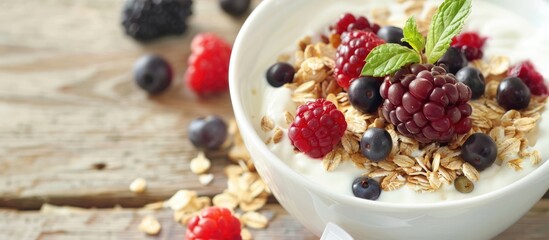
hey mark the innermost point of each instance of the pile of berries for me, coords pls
(427, 102)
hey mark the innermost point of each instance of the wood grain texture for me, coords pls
(123, 224)
(99, 224)
(68, 104)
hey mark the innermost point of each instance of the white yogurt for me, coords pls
(509, 35)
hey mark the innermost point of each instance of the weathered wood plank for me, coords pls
(123, 224)
(68, 104)
(101, 224)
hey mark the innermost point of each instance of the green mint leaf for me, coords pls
(412, 36)
(447, 22)
(387, 58)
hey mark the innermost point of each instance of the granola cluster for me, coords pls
(410, 163)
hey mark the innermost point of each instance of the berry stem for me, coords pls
(422, 58)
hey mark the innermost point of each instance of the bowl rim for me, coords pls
(247, 130)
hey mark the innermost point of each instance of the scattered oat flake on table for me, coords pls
(150, 225)
(246, 234)
(255, 220)
(181, 199)
(205, 179)
(139, 185)
(225, 200)
(200, 164)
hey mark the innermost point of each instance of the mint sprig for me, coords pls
(412, 36)
(388, 57)
(446, 23)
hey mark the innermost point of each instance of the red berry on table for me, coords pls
(424, 102)
(351, 53)
(348, 22)
(471, 43)
(530, 76)
(214, 223)
(208, 65)
(317, 128)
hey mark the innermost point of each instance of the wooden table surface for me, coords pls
(75, 130)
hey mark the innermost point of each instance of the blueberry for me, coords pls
(376, 144)
(364, 94)
(513, 94)
(279, 74)
(453, 59)
(367, 188)
(479, 150)
(208, 133)
(473, 78)
(152, 73)
(391, 34)
(235, 7)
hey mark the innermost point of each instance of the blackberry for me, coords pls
(146, 20)
(424, 102)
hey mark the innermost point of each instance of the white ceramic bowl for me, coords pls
(274, 27)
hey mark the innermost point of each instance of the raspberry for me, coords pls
(530, 76)
(317, 128)
(424, 102)
(213, 223)
(208, 65)
(471, 44)
(146, 20)
(348, 22)
(351, 53)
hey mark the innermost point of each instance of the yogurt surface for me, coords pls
(509, 35)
